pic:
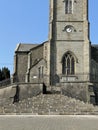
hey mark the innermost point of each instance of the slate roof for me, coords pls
(25, 47)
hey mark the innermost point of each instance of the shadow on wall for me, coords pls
(44, 89)
(28, 90)
(16, 97)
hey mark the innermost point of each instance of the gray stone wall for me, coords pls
(39, 57)
(47, 59)
(36, 54)
(26, 64)
(76, 34)
(76, 90)
(78, 10)
(77, 41)
(34, 72)
(25, 90)
(7, 93)
(22, 62)
(28, 90)
(76, 48)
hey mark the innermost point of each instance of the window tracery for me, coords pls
(68, 64)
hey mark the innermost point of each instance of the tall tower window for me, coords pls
(68, 6)
(68, 64)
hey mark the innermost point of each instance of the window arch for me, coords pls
(68, 6)
(68, 64)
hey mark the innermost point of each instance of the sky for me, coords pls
(26, 21)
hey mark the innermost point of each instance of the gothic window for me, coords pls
(68, 6)
(68, 64)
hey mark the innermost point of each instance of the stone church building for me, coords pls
(67, 61)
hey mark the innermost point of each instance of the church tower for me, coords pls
(70, 47)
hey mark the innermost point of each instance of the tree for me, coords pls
(0, 75)
(5, 73)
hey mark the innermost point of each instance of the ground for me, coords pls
(49, 122)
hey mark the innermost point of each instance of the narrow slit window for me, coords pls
(42, 71)
(39, 72)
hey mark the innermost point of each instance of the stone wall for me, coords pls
(7, 93)
(77, 90)
(76, 48)
(40, 58)
(34, 72)
(47, 59)
(28, 90)
(79, 8)
(21, 65)
(36, 54)
(19, 91)
(76, 41)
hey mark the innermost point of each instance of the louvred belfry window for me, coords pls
(68, 6)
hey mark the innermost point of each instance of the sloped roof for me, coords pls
(25, 47)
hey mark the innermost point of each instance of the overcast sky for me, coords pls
(26, 21)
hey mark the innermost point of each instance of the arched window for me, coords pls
(68, 64)
(68, 6)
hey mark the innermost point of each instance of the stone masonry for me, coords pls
(66, 61)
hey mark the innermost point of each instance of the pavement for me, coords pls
(48, 122)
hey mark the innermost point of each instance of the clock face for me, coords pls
(68, 29)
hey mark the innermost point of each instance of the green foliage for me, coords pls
(0, 75)
(4, 73)
(94, 54)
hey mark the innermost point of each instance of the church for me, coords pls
(67, 62)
